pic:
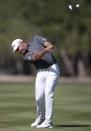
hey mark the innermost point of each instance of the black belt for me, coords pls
(46, 69)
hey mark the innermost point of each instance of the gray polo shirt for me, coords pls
(35, 46)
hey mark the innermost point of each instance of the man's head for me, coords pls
(19, 45)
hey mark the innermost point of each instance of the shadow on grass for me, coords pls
(27, 122)
(75, 125)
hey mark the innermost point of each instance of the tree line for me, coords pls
(69, 30)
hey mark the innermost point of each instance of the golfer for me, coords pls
(38, 51)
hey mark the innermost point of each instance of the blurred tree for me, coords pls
(69, 30)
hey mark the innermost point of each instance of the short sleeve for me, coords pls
(40, 39)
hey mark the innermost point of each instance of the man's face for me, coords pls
(21, 48)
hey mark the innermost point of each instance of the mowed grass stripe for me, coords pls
(73, 104)
(15, 103)
(72, 107)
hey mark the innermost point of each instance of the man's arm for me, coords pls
(49, 47)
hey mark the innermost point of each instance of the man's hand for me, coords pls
(48, 48)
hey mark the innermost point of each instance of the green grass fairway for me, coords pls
(72, 107)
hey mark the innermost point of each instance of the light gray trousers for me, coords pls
(45, 84)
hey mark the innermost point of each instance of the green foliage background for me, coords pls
(51, 18)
